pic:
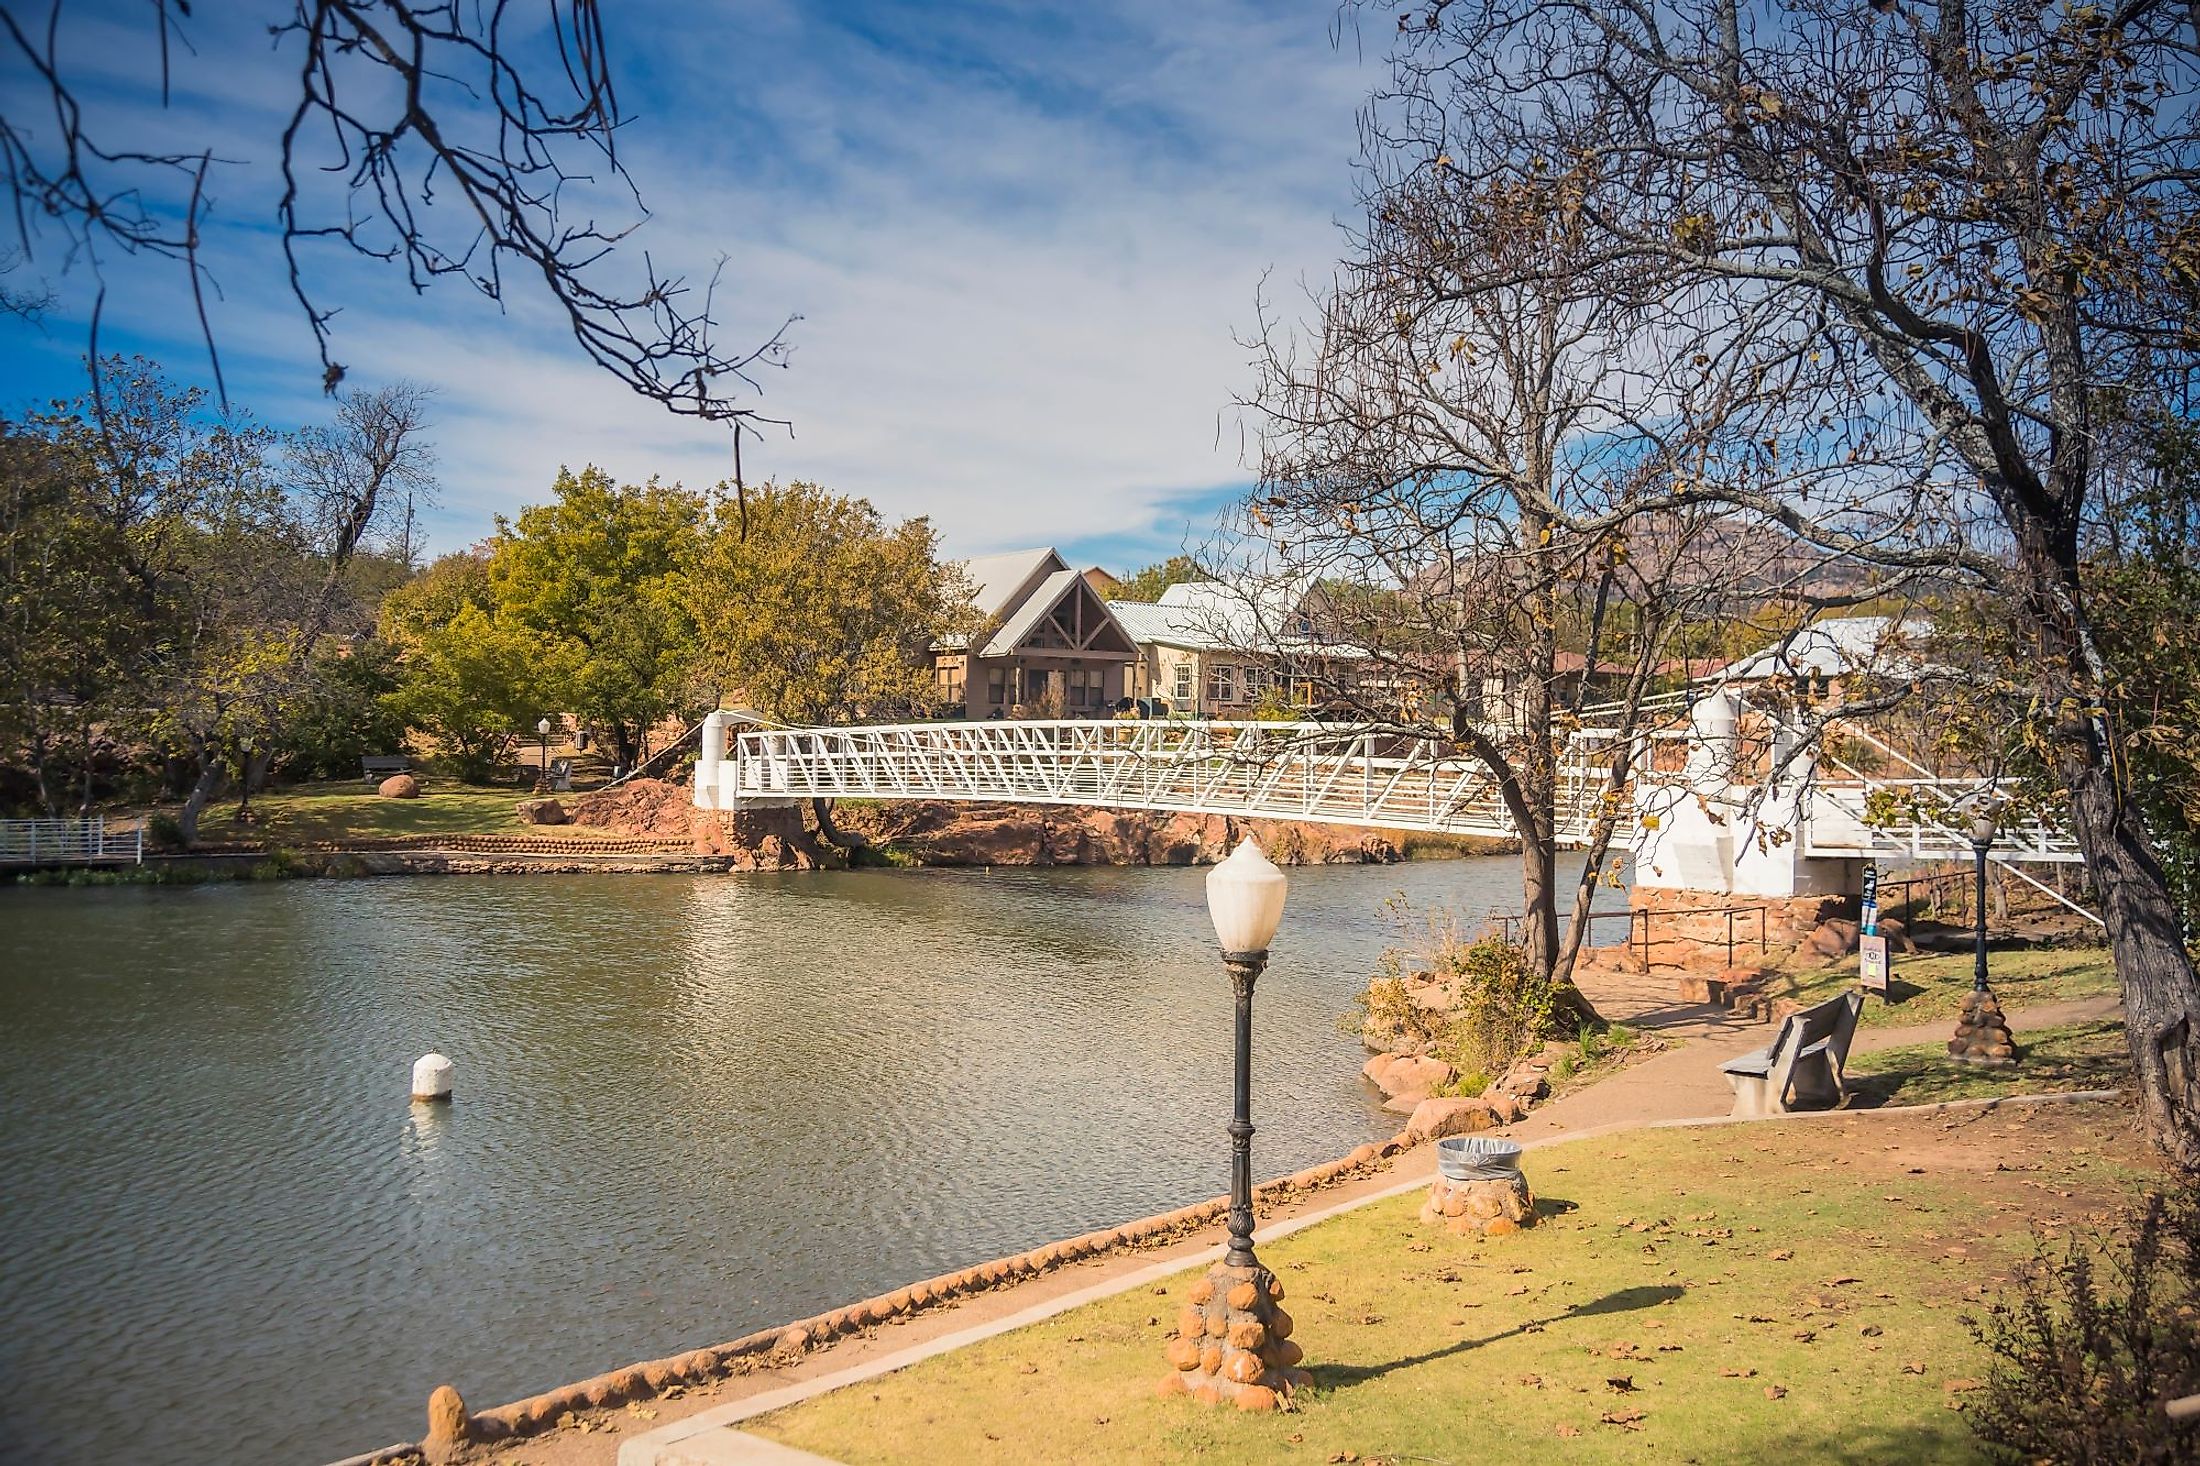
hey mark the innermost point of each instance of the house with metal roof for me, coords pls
(1221, 650)
(1047, 646)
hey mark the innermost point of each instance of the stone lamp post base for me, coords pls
(1481, 1208)
(1982, 1034)
(1233, 1344)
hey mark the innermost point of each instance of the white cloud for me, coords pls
(1021, 241)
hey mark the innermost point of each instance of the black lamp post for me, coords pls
(244, 781)
(1982, 1034)
(1245, 901)
(1233, 1343)
(1982, 840)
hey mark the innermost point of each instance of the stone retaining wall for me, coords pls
(452, 1429)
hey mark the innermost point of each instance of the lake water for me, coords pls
(686, 1108)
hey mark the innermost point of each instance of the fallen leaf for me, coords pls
(1739, 1373)
(1784, 1254)
(1912, 1366)
(1620, 1384)
(1958, 1386)
(1625, 1419)
(1568, 1432)
(1775, 1392)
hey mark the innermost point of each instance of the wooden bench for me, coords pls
(1804, 1067)
(377, 767)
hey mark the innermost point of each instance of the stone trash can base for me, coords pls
(1481, 1208)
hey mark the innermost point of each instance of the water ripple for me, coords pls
(686, 1108)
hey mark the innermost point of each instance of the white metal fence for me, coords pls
(69, 842)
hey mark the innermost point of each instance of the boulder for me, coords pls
(1412, 1077)
(399, 786)
(1834, 937)
(1527, 1079)
(1434, 1119)
(543, 812)
(450, 1428)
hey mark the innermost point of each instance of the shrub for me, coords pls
(164, 832)
(1497, 1006)
(2094, 1341)
(1503, 1006)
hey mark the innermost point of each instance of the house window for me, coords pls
(996, 687)
(951, 681)
(1222, 685)
(1082, 688)
(1181, 689)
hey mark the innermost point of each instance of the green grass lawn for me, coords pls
(2081, 1056)
(1749, 1293)
(1929, 989)
(338, 813)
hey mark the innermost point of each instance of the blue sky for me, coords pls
(1022, 238)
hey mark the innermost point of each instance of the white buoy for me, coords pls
(432, 1079)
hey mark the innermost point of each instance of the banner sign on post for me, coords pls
(1871, 947)
(1871, 954)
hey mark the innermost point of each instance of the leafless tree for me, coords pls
(1470, 449)
(1970, 233)
(474, 140)
(372, 471)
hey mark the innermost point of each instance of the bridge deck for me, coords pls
(1292, 771)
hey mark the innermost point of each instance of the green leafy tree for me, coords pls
(600, 576)
(470, 682)
(1149, 583)
(826, 611)
(346, 713)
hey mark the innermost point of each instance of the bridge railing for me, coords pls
(69, 842)
(1306, 771)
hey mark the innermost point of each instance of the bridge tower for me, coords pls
(1713, 830)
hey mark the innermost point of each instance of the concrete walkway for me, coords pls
(1681, 1085)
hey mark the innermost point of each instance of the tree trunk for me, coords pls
(38, 771)
(822, 808)
(202, 790)
(2161, 995)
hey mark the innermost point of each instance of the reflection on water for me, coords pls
(685, 1108)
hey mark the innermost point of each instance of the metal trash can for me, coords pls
(1477, 1158)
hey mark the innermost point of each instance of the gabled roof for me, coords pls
(997, 578)
(1057, 589)
(1030, 613)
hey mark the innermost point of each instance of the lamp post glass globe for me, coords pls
(543, 729)
(1245, 900)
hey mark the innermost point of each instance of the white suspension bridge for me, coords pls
(1822, 809)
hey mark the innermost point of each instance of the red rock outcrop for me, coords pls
(942, 832)
(936, 832)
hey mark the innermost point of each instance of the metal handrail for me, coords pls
(69, 842)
